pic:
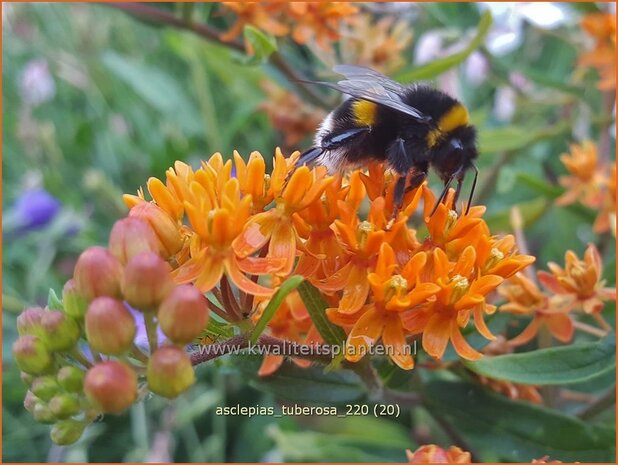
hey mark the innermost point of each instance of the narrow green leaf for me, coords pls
(531, 211)
(500, 429)
(316, 306)
(439, 66)
(275, 302)
(302, 385)
(263, 45)
(556, 365)
(53, 302)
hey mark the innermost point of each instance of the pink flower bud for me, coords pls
(110, 327)
(165, 228)
(131, 236)
(170, 372)
(98, 273)
(26, 378)
(111, 386)
(75, 304)
(67, 432)
(147, 281)
(60, 332)
(30, 401)
(183, 314)
(29, 321)
(31, 355)
(71, 379)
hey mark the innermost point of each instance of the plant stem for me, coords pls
(156, 15)
(151, 332)
(586, 328)
(454, 435)
(602, 404)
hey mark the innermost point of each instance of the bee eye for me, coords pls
(456, 144)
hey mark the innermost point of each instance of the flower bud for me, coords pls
(30, 401)
(162, 224)
(98, 273)
(183, 314)
(131, 236)
(60, 332)
(26, 378)
(111, 386)
(75, 304)
(170, 372)
(31, 355)
(42, 413)
(67, 432)
(29, 321)
(71, 379)
(45, 387)
(64, 405)
(147, 281)
(110, 327)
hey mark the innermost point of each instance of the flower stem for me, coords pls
(151, 332)
(602, 404)
(138, 354)
(78, 355)
(586, 328)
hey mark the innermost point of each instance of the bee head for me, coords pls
(456, 149)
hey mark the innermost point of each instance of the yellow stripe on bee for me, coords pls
(364, 112)
(456, 117)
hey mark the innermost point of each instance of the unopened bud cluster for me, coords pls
(68, 388)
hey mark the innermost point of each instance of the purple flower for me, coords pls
(141, 337)
(34, 209)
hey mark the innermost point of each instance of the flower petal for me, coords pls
(243, 283)
(355, 292)
(210, 275)
(260, 265)
(270, 364)
(436, 335)
(461, 346)
(337, 281)
(395, 344)
(283, 245)
(479, 323)
(560, 326)
(365, 332)
(527, 334)
(256, 233)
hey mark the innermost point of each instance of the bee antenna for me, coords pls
(476, 175)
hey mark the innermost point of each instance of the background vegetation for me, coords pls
(96, 101)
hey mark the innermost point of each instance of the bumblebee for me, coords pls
(410, 128)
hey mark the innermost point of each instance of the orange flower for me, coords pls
(253, 180)
(606, 220)
(525, 298)
(322, 254)
(391, 294)
(431, 453)
(461, 294)
(288, 114)
(602, 27)
(448, 230)
(376, 44)
(276, 227)
(586, 182)
(308, 21)
(499, 256)
(580, 279)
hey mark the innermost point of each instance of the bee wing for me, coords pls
(367, 84)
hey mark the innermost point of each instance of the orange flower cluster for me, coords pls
(431, 453)
(307, 22)
(289, 114)
(578, 285)
(602, 28)
(591, 184)
(380, 279)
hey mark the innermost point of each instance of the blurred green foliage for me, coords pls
(130, 97)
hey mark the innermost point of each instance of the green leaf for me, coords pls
(303, 385)
(556, 365)
(500, 429)
(357, 439)
(531, 211)
(275, 302)
(157, 88)
(316, 306)
(263, 44)
(53, 302)
(441, 65)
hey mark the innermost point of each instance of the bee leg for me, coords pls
(442, 195)
(416, 179)
(400, 188)
(476, 175)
